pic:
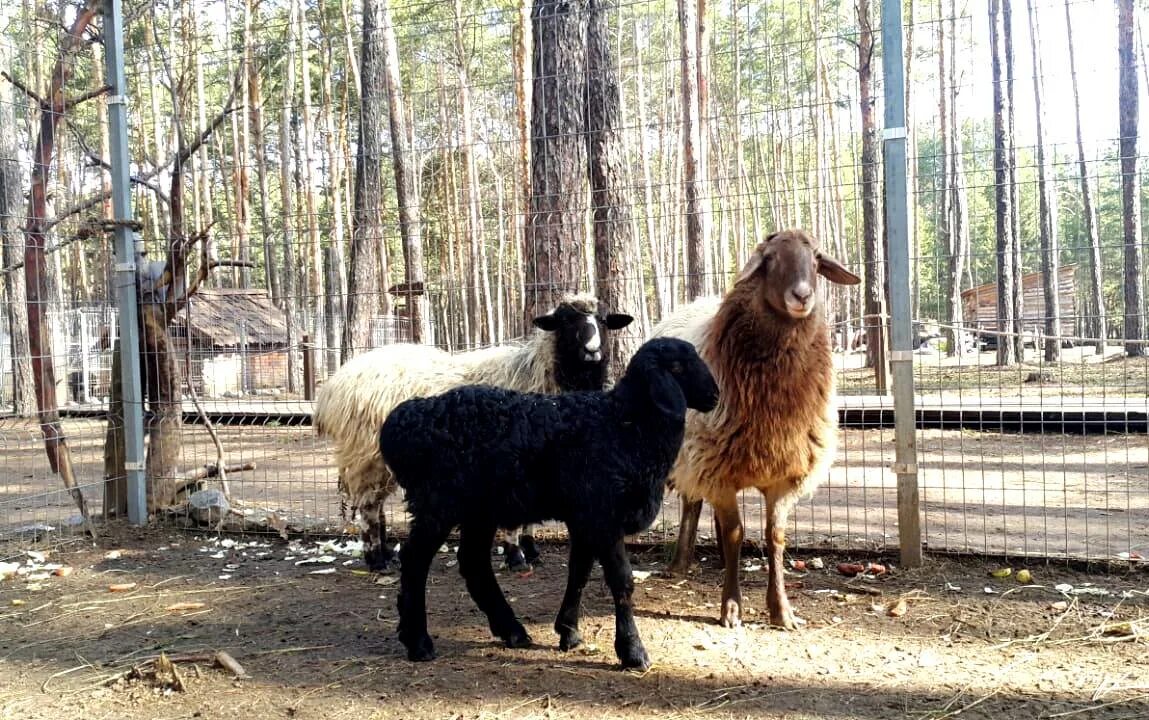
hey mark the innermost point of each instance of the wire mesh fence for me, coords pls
(273, 247)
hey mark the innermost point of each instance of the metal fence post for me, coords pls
(125, 274)
(897, 230)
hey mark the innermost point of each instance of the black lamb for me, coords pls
(481, 457)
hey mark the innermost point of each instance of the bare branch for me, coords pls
(72, 102)
(23, 88)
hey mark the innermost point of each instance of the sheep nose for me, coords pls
(802, 292)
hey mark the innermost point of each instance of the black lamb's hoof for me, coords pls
(569, 639)
(516, 561)
(420, 649)
(517, 638)
(529, 549)
(633, 656)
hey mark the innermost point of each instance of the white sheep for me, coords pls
(566, 352)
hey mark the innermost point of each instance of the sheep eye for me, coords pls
(676, 368)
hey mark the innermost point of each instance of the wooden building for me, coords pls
(979, 304)
(232, 341)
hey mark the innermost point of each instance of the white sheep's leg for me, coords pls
(687, 535)
(475, 567)
(777, 508)
(616, 570)
(579, 564)
(512, 551)
(527, 543)
(730, 537)
(376, 555)
(424, 540)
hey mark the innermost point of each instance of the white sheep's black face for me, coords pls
(591, 339)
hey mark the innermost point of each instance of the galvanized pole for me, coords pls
(126, 254)
(897, 229)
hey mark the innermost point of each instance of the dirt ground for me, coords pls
(929, 643)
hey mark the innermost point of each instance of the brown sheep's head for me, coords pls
(786, 265)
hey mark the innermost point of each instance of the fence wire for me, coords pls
(297, 263)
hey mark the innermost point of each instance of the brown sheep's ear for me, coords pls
(834, 271)
(752, 265)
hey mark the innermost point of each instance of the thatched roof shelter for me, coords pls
(226, 320)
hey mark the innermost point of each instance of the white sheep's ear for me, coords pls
(752, 265)
(548, 323)
(835, 271)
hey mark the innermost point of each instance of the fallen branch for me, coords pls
(212, 470)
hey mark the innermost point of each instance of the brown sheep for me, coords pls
(775, 428)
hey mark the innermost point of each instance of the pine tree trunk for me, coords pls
(554, 253)
(958, 203)
(287, 212)
(1015, 201)
(314, 256)
(1045, 220)
(1134, 294)
(523, 82)
(1094, 302)
(871, 247)
(367, 231)
(950, 298)
(694, 191)
(1003, 196)
(615, 248)
(479, 284)
(12, 242)
(406, 183)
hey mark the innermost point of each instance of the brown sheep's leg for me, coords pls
(781, 614)
(687, 534)
(730, 537)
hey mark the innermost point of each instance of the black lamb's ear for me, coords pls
(548, 323)
(665, 392)
(617, 321)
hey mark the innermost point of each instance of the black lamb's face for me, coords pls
(581, 346)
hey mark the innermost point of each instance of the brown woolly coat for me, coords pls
(775, 427)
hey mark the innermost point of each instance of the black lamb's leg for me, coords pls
(580, 562)
(627, 643)
(424, 540)
(475, 567)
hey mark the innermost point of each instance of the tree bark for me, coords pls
(478, 283)
(615, 251)
(12, 240)
(315, 255)
(367, 231)
(52, 111)
(873, 306)
(556, 227)
(1003, 195)
(696, 220)
(1094, 302)
(1134, 292)
(958, 205)
(1046, 222)
(287, 213)
(406, 182)
(1015, 201)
